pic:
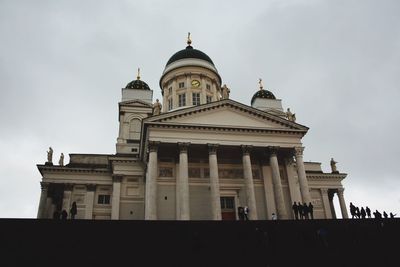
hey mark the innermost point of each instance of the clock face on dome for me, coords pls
(195, 83)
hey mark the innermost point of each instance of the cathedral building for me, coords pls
(194, 155)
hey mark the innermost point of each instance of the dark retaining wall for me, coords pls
(29, 242)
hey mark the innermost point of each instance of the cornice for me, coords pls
(56, 169)
(328, 176)
(223, 128)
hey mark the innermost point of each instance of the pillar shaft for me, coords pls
(183, 182)
(89, 201)
(276, 178)
(214, 183)
(42, 203)
(301, 171)
(342, 203)
(248, 179)
(151, 183)
(325, 202)
(116, 197)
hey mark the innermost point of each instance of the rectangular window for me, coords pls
(196, 99)
(170, 106)
(208, 86)
(181, 85)
(182, 100)
(209, 99)
(103, 199)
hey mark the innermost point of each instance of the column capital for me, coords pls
(91, 187)
(117, 178)
(68, 187)
(246, 149)
(299, 150)
(324, 190)
(183, 147)
(273, 150)
(153, 146)
(44, 185)
(212, 148)
(340, 191)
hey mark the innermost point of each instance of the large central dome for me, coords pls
(189, 52)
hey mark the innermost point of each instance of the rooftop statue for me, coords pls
(290, 116)
(333, 166)
(50, 155)
(61, 161)
(225, 92)
(157, 108)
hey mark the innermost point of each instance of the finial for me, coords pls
(138, 74)
(260, 83)
(189, 42)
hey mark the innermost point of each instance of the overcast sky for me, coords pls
(336, 64)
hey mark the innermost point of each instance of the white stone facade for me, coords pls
(198, 161)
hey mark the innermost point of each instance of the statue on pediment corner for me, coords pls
(157, 108)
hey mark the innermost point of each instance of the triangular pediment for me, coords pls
(226, 114)
(136, 103)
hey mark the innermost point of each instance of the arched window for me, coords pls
(134, 129)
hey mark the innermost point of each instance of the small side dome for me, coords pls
(137, 84)
(262, 94)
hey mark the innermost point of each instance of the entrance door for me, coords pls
(228, 208)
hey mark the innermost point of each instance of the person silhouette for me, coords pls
(311, 210)
(363, 213)
(352, 210)
(73, 210)
(392, 215)
(305, 211)
(64, 215)
(295, 210)
(301, 211)
(385, 215)
(246, 213)
(358, 213)
(368, 211)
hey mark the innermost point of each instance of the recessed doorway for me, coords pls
(228, 211)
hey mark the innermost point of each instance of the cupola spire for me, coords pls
(189, 41)
(138, 74)
(260, 83)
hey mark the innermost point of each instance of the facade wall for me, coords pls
(166, 201)
(200, 202)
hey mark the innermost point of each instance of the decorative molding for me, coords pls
(212, 148)
(153, 146)
(273, 150)
(299, 151)
(117, 178)
(68, 187)
(183, 147)
(246, 149)
(44, 186)
(91, 187)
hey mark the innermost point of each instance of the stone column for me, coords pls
(66, 205)
(276, 178)
(269, 191)
(248, 179)
(151, 183)
(331, 194)
(325, 202)
(188, 85)
(203, 95)
(293, 181)
(214, 182)
(183, 182)
(90, 189)
(301, 171)
(116, 197)
(42, 203)
(342, 203)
